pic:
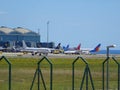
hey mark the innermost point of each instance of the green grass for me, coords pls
(23, 70)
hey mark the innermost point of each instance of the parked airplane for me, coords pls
(66, 48)
(88, 51)
(2, 49)
(58, 49)
(34, 50)
(75, 50)
(58, 46)
(96, 49)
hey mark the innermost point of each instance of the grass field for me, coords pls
(23, 70)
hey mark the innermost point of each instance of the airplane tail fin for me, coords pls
(24, 44)
(58, 46)
(78, 47)
(66, 48)
(96, 49)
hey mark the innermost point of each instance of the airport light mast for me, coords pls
(39, 34)
(110, 46)
(47, 32)
(107, 65)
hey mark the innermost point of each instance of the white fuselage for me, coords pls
(72, 52)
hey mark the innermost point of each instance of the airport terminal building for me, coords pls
(10, 36)
(18, 34)
(14, 36)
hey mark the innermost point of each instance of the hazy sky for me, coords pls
(88, 22)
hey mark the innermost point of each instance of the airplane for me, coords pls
(88, 51)
(75, 50)
(58, 49)
(34, 50)
(66, 48)
(58, 46)
(2, 49)
(5, 49)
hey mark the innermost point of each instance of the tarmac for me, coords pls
(28, 55)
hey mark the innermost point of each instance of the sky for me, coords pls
(88, 22)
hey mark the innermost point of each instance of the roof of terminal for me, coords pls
(6, 30)
(20, 30)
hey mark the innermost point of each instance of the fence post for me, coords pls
(86, 74)
(39, 73)
(107, 73)
(9, 64)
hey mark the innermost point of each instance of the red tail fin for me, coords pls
(78, 47)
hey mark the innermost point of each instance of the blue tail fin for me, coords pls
(96, 49)
(66, 48)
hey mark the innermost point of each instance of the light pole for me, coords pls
(47, 32)
(107, 66)
(110, 46)
(39, 34)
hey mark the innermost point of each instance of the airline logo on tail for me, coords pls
(96, 49)
(78, 47)
(58, 46)
(66, 48)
